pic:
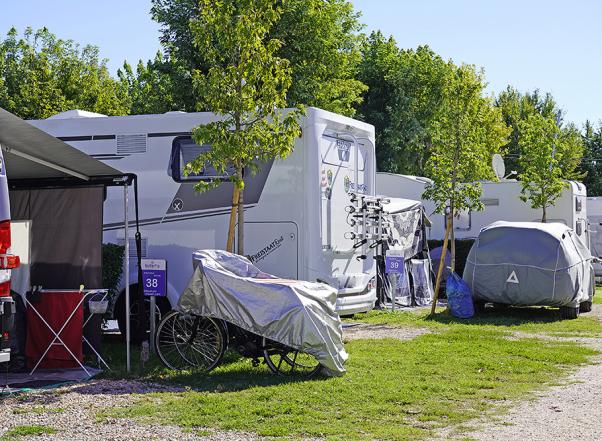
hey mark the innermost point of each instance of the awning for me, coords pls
(30, 153)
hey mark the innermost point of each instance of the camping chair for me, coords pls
(56, 334)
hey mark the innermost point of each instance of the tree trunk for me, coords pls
(232, 224)
(544, 218)
(241, 218)
(452, 240)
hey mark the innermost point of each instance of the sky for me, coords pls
(550, 45)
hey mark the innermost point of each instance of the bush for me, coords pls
(112, 269)
(463, 247)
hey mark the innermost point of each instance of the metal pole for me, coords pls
(127, 278)
(153, 306)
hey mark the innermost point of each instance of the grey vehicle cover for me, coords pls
(298, 314)
(530, 263)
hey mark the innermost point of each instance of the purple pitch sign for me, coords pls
(394, 264)
(154, 277)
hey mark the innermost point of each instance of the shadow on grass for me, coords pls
(503, 317)
(234, 373)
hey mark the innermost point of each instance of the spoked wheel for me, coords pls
(185, 341)
(286, 361)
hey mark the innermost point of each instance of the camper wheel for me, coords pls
(163, 307)
(585, 306)
(569, 313)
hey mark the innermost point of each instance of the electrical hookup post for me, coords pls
(154, 280)
(395, 274)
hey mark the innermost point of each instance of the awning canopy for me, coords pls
(32, 154)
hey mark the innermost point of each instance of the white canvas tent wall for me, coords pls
(35, 159)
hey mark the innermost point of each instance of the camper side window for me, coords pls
(185, 150)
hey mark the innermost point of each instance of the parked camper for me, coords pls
(502, 202)
(594, 216)
(296, 218)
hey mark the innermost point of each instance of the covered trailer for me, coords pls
(531, 263)
(594, 217)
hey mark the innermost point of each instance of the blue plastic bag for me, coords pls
(459, 298)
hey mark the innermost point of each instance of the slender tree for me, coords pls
(549, 156)
(245, 83)
(467, 132)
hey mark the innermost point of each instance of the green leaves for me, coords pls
(549, 155)
(466, 133)
(318, 39)
(245, 83)
(41, 75)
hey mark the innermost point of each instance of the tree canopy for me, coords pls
(320, 39)
(41, 75)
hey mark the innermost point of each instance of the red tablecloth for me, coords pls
(55, 307)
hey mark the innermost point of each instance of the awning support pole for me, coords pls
(127, 277)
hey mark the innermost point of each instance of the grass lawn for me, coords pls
(393, 389)
(23, 431)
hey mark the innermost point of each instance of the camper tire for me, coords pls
(569, 313)
(585, 306)
(162, 304)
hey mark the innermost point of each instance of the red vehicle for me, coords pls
(7, 262)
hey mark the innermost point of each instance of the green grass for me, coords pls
(529, 320)
(393, 389)
(22, 431)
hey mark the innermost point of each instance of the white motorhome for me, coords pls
(501, 200)
(594, 216)
(295, 220)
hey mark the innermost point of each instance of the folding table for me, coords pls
(71, 321)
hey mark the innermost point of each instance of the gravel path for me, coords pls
(572, 411)
(72, 411)
(358, 331)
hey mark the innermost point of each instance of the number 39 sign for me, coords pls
(154, 277)
(394, 264)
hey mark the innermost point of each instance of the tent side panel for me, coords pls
(66, 249)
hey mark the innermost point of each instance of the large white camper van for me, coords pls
(502, 202)
(295, 219)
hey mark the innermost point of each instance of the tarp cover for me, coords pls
(298, 314)
(529, 263)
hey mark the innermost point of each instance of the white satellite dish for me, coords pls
(499, 168)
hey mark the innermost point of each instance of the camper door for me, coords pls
(343, 171)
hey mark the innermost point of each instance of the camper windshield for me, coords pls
(185, 150)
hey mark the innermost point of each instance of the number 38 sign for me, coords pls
(154, 277)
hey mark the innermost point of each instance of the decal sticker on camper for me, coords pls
(266, 251)
(344, 148)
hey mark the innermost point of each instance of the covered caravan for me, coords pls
(530, 263)
(61, 191)
(406, 224)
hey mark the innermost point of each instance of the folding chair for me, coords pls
(57, 340)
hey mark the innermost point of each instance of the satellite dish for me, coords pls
(499, 168)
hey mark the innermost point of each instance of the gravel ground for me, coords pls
(358, 331)
(572, 411)
(72, 411)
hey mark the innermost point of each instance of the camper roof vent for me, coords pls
(128, 144)
(76, 114)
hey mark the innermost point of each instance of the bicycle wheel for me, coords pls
(286, 361)
(185, 341)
